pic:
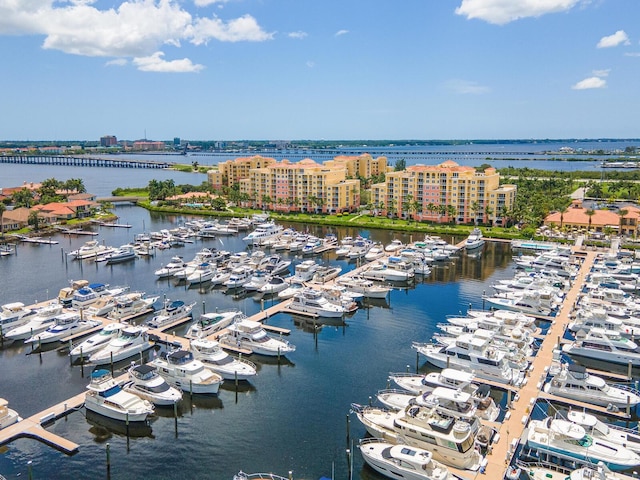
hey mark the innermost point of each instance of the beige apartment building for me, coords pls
(232, 171)
(360, 166)
(447, 192)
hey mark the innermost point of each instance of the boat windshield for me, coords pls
(112, 391)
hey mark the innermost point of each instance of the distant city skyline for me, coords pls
(286, 70)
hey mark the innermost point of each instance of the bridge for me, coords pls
(122, 199)
(85, 161)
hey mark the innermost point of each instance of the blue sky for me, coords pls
(303, 69)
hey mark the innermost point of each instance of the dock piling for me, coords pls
(108, 460)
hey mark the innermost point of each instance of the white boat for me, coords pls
(131, 305)
(259, 476)
(85, 296)
(257, 280)
(293, 288)
(374, 253)
(263, 232)
(146, 383)
(238, 277)
(573, 381)
(90, 249)
(548, 471)
(304, 271)
(274, 265)
(364, 286)
(123, 254)
(65, 325)
(252, 336)
(132, 340)
(325, 273)
(569, 440)
(395, 246)
(605, 345)
(599, 430)
(170, 312)
(210, 323)
(13, 315)
(176, 264)
(448, 377)
(275, 284)
(451, 440)
(203, 273)
(312, 301)
(180, 369)
(359, 249)
(393, 270)
(96, 341)
(402, 461)
(8, 416)
(101, 307)
(42, 320)
(214, 357)
(474, 240)
(533, 302)
(107, 398)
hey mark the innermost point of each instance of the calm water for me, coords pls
(293, 416)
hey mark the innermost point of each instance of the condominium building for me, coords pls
(447, 192)
(364, 165)
(303, 186)
(232, 171)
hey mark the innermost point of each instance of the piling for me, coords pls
(29, 470)
(111, 358)
(108, 460)
(204, 310)
(417, 361)
(348, 429)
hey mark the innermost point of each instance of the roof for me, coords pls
(578, 216)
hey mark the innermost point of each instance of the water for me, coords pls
(293, 416)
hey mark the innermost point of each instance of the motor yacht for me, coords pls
(252, 336)
(238, 277)
(95, 342)
(132, 340)
(364, 286)
(145, 382)
(605, 345)
(569, 440)
(574, 382)
(211, 354)
(122, 254)
(176, 263)
(274, 265)
(107, 398)
(8, 416)
(304, 271)
(275, 284)
(599, 430)
(394, 246)
(13, 315)
(374, 253)
(402, 461)
(314, 302)
(325, 273)
(447, 377)
(293, 288)
(90, 249)
(210, 323)
(474, 240)
(257, 280)
(170, 312)
(262, 232)
(65, 325)
(42, 320)
(101, 307)
(131, 305)
(203, 273)
(180, 369)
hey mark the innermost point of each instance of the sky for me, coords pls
(311, 70)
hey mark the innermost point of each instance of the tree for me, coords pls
(475, 208)
(22, 198)
(3, 208)
(407, 204)
(431, 208)
(488, 211)
(34, 220)
(451, 212)
(590, 212)
(401, 164)
(75, 185)
(622, 213)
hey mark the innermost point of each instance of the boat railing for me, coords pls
(404, 374)
(627, 388)
(542, 464)
(246, 362)
(393, 391)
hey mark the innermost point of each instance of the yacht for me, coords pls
(96, 341)
(170, 312)
(274, 265)
(447, 377)
(573, 382)
(210, 323)
(102, 306)
(180, 369)
(374, 253)
(474, 240)
(13, 315)
(364, 286)
(107, 398)
(132, 340)
(65, 325)
(263, 232)
(395, 246)
(470, 352)
(252, 336)
(393, 270)
(599, 318)
(533, 302)
(90, 249)
(605, 345)
(86, 296)
(121, 255)
(8, 416)
(257, 280)
(146, 383)
(42, 320)
(304, 271)
(238, 277)
(311, 301)
(451, 440)
(569, 440)
(325, 273)
(214, 357)
(402, 461)
(176, 263)
(203, 273)
(275, 284)
(292, 289)
(131, 305)
(599, 430)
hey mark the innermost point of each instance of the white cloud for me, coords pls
(245, 28)
(466, 87)
(117, 62)
(299, 35)
(311, 63)
(589, 83)
(632, 54)
(618, 38)
(340, 33)
(601, 73)
(501, 12)
(155, 63)
(130, 29)
(206, 3)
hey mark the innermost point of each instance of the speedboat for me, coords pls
(180, 369)
(146, 383)
(214, 357)
(569, 440)
(132, 340)
(394, 246)
(275, 284)
(210, 323)
(312, 301)
(13, 315)
(573, 381)
(474, 240)
(171, 312)
(402, 461)
(64, 326)
(107, 398)
(132, 305)
(292, 288)
(253, 337)
(43, 319)
(96, 342)
(8, 416)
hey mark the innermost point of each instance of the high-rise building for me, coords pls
(108, 141)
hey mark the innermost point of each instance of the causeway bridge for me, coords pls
(85, 161)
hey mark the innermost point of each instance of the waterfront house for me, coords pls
(576, 217)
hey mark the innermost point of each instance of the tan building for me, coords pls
(447, 192)
(148, 146)
(232, 171)
(302, 186)
(360, 166)
(576, 217)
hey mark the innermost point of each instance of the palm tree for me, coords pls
(34, 220)
(488, 211)
(431, 208)
(590, 212)
(621, 213)
(475, 208)
(3, 208)
(451, 212)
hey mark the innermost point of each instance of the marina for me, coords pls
(373, 321)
